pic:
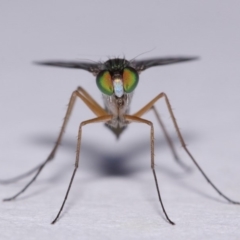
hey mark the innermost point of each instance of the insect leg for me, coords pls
(148, 106)
(169, 141)
(91, 103)
(104, 118)
(19, 177)
(141, 120)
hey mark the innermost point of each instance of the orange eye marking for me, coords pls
(130, 79)
(104, 82)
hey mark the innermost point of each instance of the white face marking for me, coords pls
(118, 87)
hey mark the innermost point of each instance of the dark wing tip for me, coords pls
(190, 58)
(41, 63)
(180, 59)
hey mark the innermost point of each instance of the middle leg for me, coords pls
(96, 109)
(164, 96)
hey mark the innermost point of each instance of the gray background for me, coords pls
(113, 195)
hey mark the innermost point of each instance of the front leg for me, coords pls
(141, 120)
(103, 118)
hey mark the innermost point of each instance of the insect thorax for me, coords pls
(117, 107)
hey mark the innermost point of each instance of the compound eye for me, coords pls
(104, 82)
(130, 79)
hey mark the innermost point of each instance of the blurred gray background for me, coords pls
(113, 195)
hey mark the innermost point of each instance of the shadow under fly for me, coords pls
(117, 79)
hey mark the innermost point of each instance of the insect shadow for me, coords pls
(117, 163)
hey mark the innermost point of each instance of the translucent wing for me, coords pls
(90, 67)
(141, 65)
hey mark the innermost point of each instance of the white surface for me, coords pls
(113, 195)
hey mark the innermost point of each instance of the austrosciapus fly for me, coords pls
(117, 79)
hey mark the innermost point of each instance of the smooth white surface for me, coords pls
(113, 195)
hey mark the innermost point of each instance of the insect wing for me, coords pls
(141, 65)
(90, 67)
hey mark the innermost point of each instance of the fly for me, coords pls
(117, 79)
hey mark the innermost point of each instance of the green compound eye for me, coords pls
(130, 79)
(104, 82)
